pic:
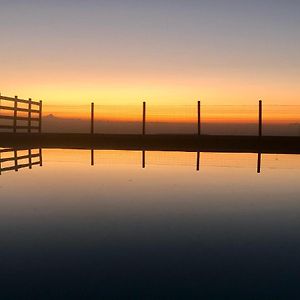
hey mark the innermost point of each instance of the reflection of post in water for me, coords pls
(41, 157)
(92, 157)
(258, 162)
(30, 158)
(143, 159)
(15, 159)
(198, 161)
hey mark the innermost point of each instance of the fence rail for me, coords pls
(32, 112)
(13, 160)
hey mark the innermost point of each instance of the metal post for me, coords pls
(15, 114)
(29, 115)
(40, 116)
(92, 118)
(199, 121)
(260, 118)
(144, 118)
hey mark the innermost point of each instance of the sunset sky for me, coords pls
(168, 51)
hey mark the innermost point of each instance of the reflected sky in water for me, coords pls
(116, 230)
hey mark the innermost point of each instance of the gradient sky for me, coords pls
(168, 51)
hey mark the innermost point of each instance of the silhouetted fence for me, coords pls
(18, 115)
(15, 159)
(197, 119)
(15, 111)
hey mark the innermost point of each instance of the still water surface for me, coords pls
(115, 230)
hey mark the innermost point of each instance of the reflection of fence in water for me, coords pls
(15, 159)
(195, 159)
(173, 158)
(166, 158)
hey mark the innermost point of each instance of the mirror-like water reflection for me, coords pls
(147, 225)
(158, 154)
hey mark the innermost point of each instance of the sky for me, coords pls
(164, 52)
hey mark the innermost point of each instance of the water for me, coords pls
(115, 230)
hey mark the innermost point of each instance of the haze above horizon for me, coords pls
(165, 52)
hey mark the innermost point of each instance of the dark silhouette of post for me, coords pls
(144, 118)
(92, 118)
(40, 116)
(199, 118)
(260, 118)
(29, 116)
(15, 114)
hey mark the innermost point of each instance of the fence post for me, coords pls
(29, 115)
(144, 118)
(199, 116)
(40, 116)
(260, 118)
(15, 114)
(92, 118)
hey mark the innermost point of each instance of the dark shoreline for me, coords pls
(161, 142)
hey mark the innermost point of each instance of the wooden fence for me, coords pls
(15, 159)
(31, 114)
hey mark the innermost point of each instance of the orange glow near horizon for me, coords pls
(165, 104)
(246, 114)
(134, 114)
(123, 53)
